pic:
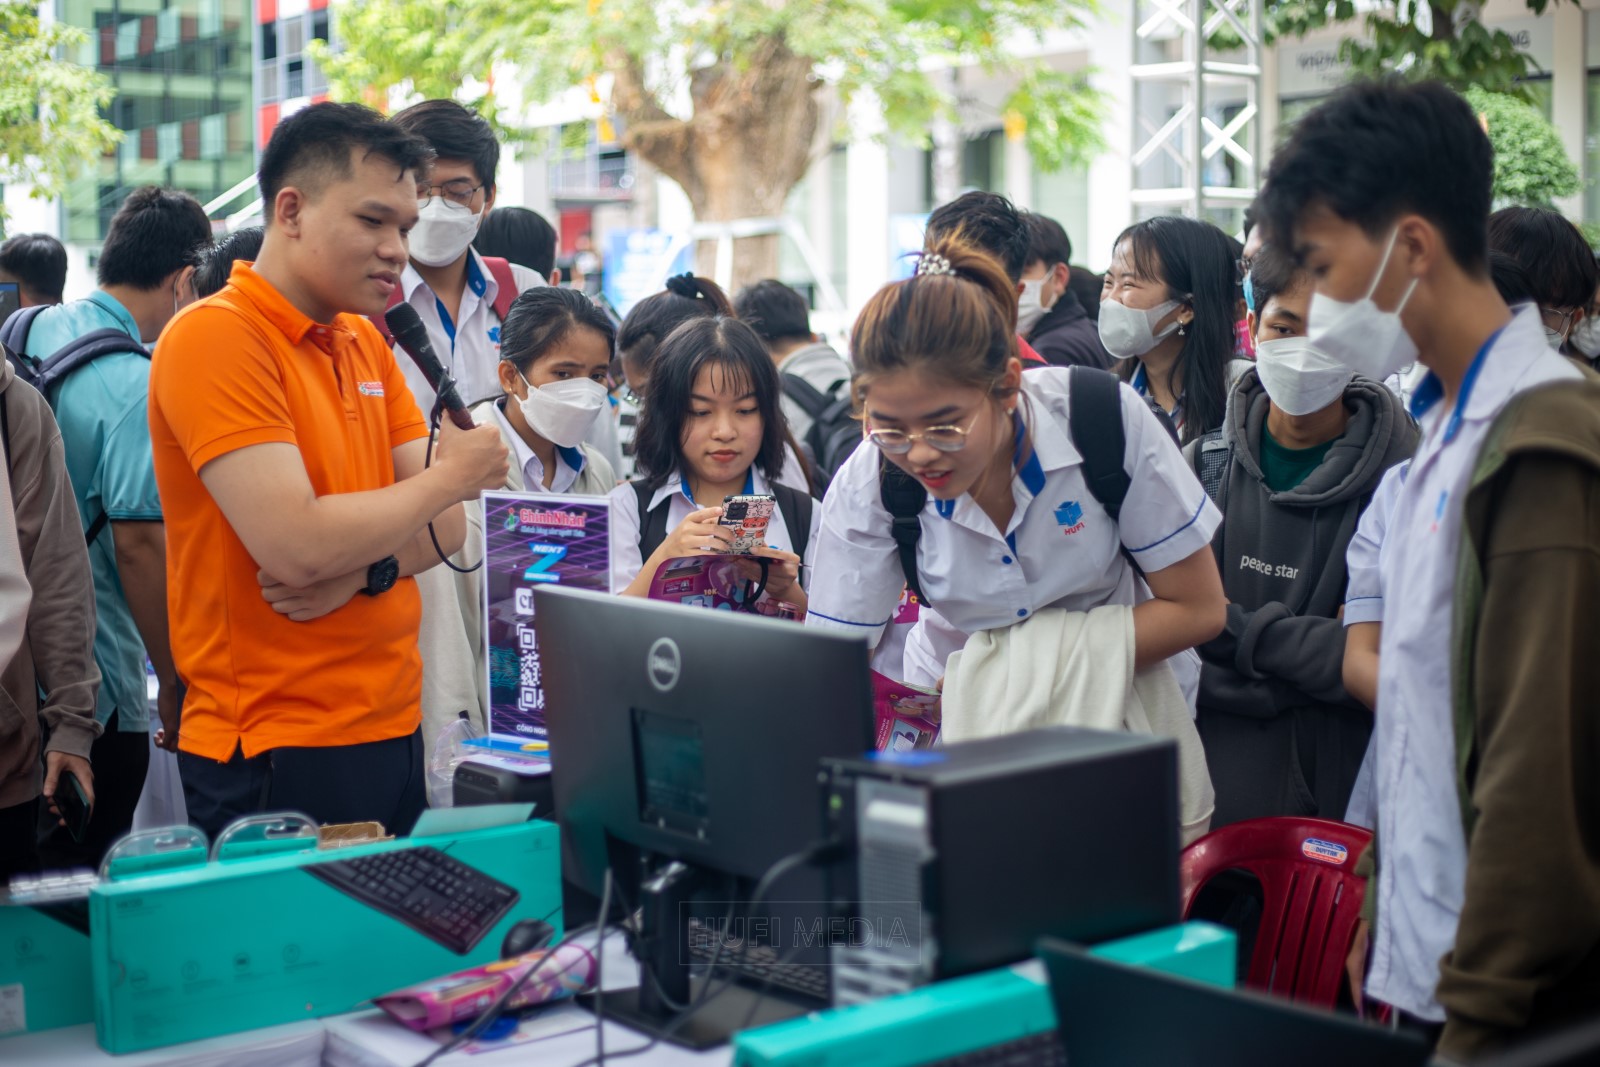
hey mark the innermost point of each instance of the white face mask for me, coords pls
(563, 412)
(1298, 377)
(442, 233)
(1030, 305)
(1586, 336)
(1371, 342)
(1129, 332)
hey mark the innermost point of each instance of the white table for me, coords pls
(372, 1039)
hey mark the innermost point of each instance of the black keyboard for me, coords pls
(762, 965)
(438, 897)
(1036, 1050)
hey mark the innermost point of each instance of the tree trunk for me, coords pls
(741, 153)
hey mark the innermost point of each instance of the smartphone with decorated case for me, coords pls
(747, 515)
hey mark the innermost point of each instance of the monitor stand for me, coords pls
(664, 979)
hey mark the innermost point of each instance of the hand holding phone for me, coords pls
(72, 804)
(747, 516)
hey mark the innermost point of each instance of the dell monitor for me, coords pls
(685, 747)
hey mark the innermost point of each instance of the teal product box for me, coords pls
(238, 944)
(44, 967)
(972, 1012)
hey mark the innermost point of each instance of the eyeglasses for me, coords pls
(456, 190)
(943, 438)
(1557, 319)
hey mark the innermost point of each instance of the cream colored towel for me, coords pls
(1070, 668)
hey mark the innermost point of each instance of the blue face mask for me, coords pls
(1249, 294)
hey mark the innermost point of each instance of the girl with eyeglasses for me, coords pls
(710, 428)
(1010, 526)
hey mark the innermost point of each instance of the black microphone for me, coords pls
(409, 332)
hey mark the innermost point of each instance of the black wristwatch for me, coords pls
(382, 575)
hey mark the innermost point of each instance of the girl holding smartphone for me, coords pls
(710, 428)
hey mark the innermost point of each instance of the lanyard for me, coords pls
(1470, 379)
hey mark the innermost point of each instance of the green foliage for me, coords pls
(882, 47)
(50, 124)
(1469, 56)
(1419, 39)
(1530, 162)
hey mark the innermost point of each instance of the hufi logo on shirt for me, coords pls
(1069, 516)
(370, 388)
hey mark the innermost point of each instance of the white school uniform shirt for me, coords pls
(469, 346)
(1423, 863)
(1363, 602)
(1060, 549)
(625, 557)
(569, 461)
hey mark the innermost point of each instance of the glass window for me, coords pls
(213, 136)
(319, 25)
(169, 142)
(128, 39)
(294, 37)
(294, 80)
(269, 82)
(269, 40)
(167, 29)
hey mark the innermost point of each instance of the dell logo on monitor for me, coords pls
(663, 664)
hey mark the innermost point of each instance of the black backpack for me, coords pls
(835, 431)
(1095, 422)
(45, 374)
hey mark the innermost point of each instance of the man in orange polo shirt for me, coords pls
(290, 459)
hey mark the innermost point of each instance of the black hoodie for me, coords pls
(1282, 736)
(1066, 336)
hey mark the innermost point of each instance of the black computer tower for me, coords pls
(964, 855)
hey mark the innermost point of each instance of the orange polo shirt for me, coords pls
(244, 368)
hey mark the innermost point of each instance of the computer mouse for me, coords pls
(527, 936)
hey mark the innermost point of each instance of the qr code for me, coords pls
(527, 638)
(532, 672)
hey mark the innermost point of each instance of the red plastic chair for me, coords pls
(1311, 898)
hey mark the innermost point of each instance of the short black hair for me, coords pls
(1511, 278)
(1272, 273)
(1383, 148)
(38, 262)
(1087, 286)
(988, 222)
(542, 317)
(774, 311)
(155, 232)
(216, 262)
(316, 143)
(734, 350)
(1048, 242)
(650, 320)
(454, 132)
(1558, 261)
(520, 236)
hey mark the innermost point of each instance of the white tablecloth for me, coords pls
(372, 1039)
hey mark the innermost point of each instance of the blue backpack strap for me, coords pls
(14, 334)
